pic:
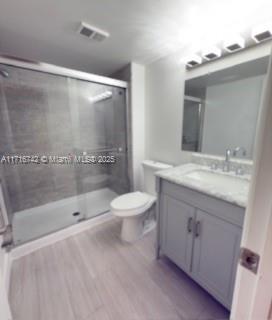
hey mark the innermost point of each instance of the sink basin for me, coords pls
(216, 183)
(223, 182)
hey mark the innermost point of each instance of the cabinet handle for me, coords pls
(189, 225)
(197, 229)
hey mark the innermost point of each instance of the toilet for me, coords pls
(137, 209)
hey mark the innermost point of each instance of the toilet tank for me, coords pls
(150, 167)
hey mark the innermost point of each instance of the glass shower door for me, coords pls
(100, 138)
(70, 140)
(36, 125)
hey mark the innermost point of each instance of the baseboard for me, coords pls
(5, 284)
(35, 245)
(6, 271)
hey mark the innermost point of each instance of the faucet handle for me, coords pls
(237, 149)
(214, 165)
(239, 171)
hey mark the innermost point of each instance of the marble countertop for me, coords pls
(237, 196)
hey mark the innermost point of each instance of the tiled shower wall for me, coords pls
(52, 115)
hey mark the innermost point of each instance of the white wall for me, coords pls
(164, 104)
(138, 123)
(164, 101)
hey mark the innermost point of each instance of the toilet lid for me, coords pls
(130, 201)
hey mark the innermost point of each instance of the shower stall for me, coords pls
(63, 145)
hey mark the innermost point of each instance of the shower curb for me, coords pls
(35, 245)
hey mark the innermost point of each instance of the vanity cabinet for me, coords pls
(215, 255)
(202, 235)
(177, 239)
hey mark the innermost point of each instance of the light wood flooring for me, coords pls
(94, 276)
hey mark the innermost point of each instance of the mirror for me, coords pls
(221, 109)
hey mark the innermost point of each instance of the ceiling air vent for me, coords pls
(92, 33)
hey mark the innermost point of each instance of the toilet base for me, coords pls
(134, 228)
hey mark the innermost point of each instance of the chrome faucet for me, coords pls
(226, 165)
(237, 149)
(228, 154)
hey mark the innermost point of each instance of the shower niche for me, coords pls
(57, 121)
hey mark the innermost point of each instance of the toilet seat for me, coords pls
(132, 204)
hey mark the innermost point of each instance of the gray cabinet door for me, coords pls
(177, 237)
(215, 257)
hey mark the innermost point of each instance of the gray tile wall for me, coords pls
(52, 115)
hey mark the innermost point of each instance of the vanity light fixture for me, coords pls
(234, 44)
(193, 61)
(261, 33)
(211, 53)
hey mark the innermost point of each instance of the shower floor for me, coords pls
(35, 222)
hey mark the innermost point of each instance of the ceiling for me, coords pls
(140, 30)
